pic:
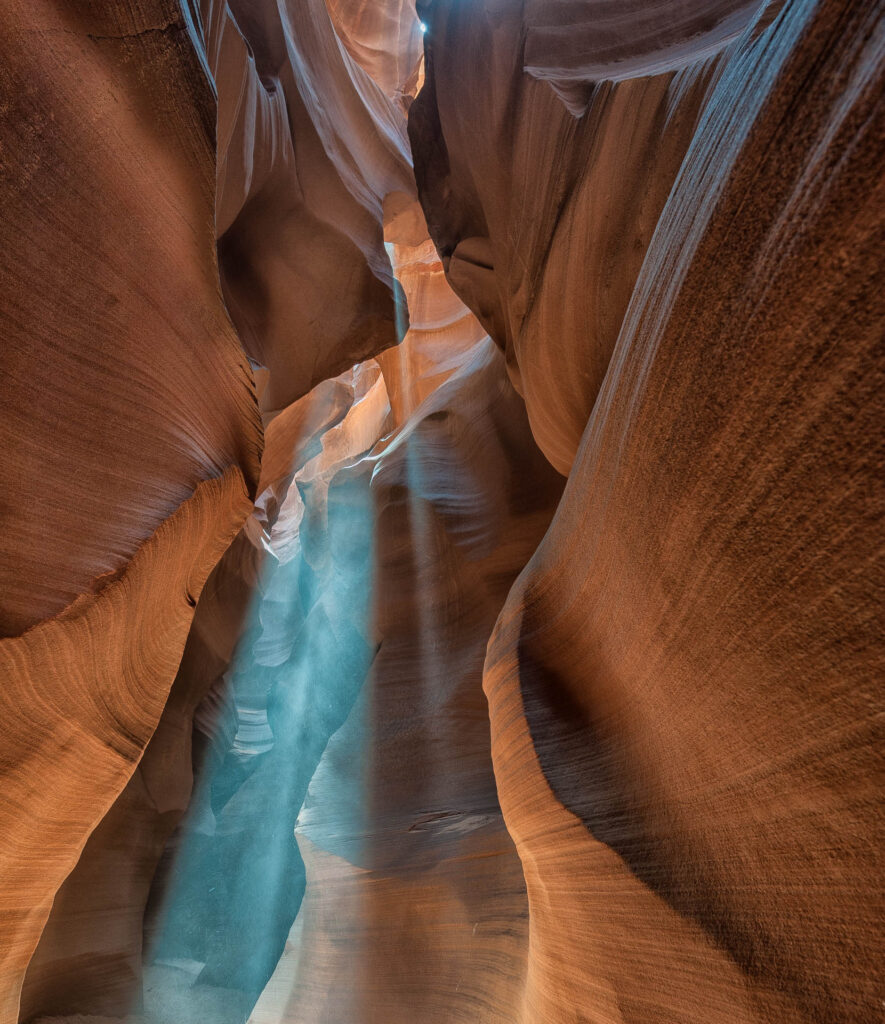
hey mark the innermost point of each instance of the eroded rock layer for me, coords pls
(309, 148)
(130, 430)
(682, 684)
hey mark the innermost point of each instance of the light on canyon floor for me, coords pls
(237, 878)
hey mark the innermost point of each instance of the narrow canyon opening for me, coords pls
(442, 519)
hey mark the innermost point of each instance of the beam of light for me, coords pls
(238, 878)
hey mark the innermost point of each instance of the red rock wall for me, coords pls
(90, 954)
(309, 146)
(682, 683)
(291, 231)
(131, 434)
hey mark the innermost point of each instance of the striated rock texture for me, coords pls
(130, 430)
(309, 148)
(90, 954)
(683, 683)
(542, 201)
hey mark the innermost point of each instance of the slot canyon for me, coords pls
(442, 511)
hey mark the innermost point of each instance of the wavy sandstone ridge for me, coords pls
(309, 147)
(131, 436)
(681, 685)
